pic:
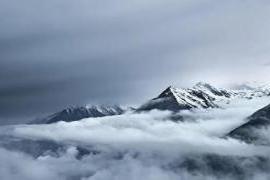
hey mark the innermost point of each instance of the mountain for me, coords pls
(78, 113)
(202, 95)
(255, 129)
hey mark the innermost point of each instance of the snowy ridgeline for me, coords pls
(81, 112)
(202, 95)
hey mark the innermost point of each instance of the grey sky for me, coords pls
(56, 53)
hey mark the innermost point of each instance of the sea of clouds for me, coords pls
(147, 146)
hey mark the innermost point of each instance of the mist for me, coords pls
(147, 146)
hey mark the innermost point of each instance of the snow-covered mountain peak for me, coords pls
(212, 90)
(202, 95)
(169, 91)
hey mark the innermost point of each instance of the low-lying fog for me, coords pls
(147, 146)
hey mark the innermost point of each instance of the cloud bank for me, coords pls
(145, 146)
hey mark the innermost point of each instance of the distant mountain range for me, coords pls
(202, 95)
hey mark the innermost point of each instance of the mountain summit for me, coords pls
(202, 95)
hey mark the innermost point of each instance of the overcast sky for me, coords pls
(57, 53)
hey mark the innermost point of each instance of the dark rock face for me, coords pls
(207, 100)
(165, 101)
(78, 113)
(250, 131)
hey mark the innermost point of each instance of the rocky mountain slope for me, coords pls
(255, 129)
(78, 113)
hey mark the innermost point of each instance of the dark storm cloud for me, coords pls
(58, 53)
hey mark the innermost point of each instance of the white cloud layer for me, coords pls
(145, 146)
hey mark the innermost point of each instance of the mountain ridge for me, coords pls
(75, 113)
(201, 95)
